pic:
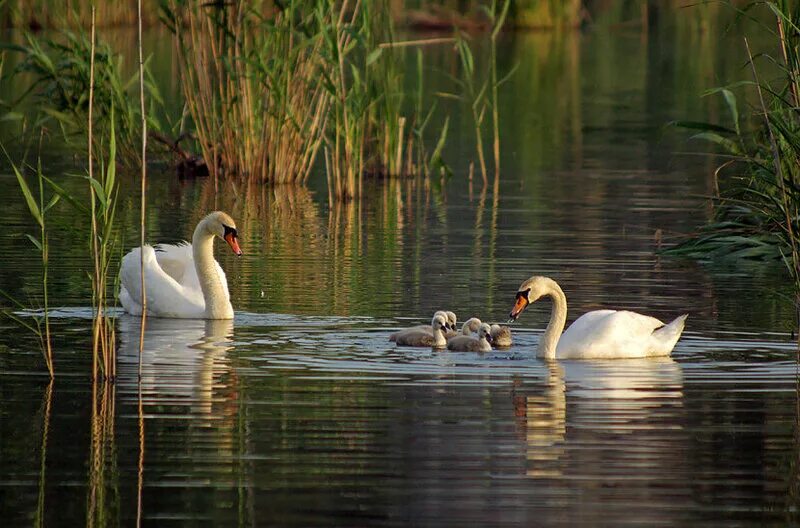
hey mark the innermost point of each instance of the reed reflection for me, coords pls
(302, 257)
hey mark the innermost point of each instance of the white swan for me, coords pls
(182, 281)
(601, 334)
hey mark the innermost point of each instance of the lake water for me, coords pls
(300, 412)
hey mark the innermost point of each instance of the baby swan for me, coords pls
(426, 328)
(501, 336)
(465, 343)
(471, 325)
(422, 338)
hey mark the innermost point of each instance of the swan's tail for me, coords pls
(668, 335)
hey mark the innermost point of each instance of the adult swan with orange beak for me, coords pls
(183, 280)
(601, 334)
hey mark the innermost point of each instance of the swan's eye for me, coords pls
(229, 231)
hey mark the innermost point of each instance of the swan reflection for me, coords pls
(592, 400)
(183, 362)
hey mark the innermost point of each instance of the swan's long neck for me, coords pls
(218, 305)
(558, 318)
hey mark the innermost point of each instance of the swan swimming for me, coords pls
(183, 280)
(601, 334)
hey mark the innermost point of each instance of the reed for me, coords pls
(39, 205)
(756, 212)
(103, 192)
(252, 82)
(349, 95)
(482, 95)
(61, 70)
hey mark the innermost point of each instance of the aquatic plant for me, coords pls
(60, 71)
(38, 14)
(252, 84)
(483, 96)
(38, 207)
(103, 192)
(756, 213)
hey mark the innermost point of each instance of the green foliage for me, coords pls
(38, 207)
(757, 210)
(60, 73)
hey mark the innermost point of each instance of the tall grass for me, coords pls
(252, 84)
(482, 95)
(61, 72)
(103, 192)
(756, 215)
(37, 14)
(39, 205)
(267, 87)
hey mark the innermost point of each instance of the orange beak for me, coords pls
(519, 306)
(233, 242)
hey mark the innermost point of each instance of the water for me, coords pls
(300, 412)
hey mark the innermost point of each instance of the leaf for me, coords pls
(98, 191)
(724, 142)
(730, 98)
(699, 125)
(26, 191)
(35, 241)
(66, 195)
(374, 55)
(53, 201)
(501, 20)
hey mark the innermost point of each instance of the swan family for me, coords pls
(185, 281)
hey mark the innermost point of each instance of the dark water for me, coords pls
(300, 412)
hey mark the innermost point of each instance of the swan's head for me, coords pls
(222, 225)
(485, 332)
(529, 292)
(471, 325)
(451, 320)
(439, 321)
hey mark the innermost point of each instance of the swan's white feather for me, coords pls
(606, 334)
(171, 281)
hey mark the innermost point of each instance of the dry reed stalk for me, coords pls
(143, 192)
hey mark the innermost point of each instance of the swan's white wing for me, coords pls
(177, 261)
(608, 334)
(165, 296)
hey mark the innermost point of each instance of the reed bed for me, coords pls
(756, 212)
(253, 85)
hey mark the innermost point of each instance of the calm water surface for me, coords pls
(300, 412)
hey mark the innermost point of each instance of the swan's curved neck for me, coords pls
(558, 318)
(217, 303)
